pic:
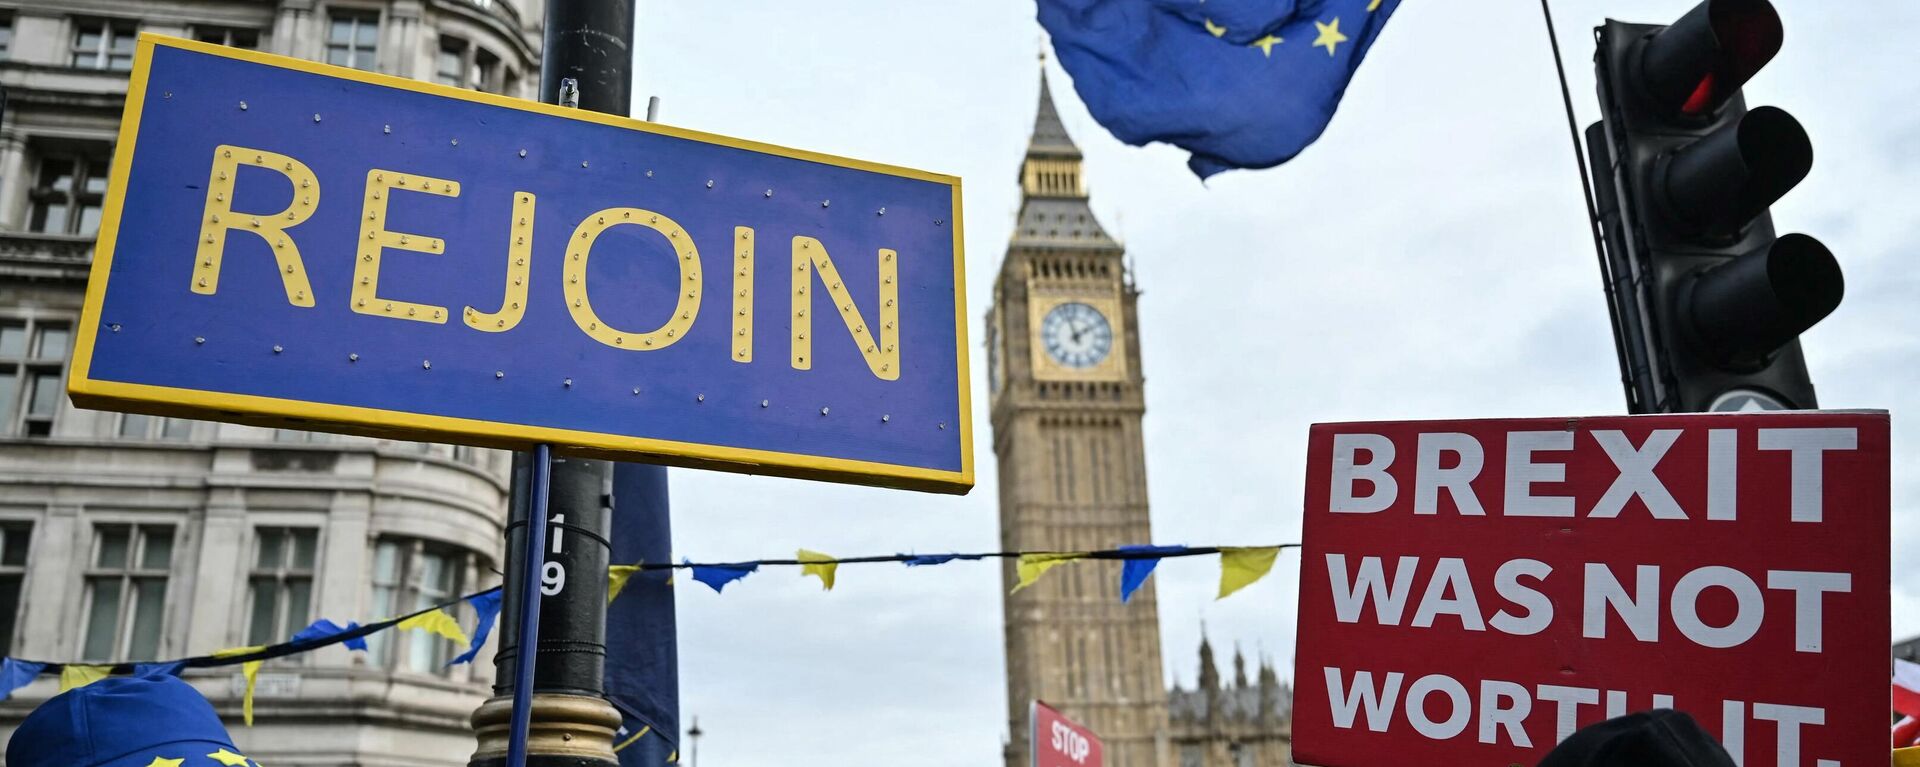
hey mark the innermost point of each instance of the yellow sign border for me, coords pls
(373, 422)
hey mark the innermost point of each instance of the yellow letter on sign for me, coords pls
(883, 358)
(374, 237)
(514, 305)
(687, 288)
(219, 217)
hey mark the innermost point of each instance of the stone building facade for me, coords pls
(1063, 352)
(126, 537)
(1067, 402)
(1242, 724)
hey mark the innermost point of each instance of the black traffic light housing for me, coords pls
(1708, 302)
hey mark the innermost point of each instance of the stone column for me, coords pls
(15, 180)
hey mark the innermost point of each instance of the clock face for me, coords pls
(1077, 335)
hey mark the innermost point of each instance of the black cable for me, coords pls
(1593, 209)
(284, 649)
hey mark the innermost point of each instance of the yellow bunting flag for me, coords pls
(235, 652)
(819, 564)
(81, 676)
(1240, 567)
(617, 576)
(251, 670)
(1032, 566)
(436, 621)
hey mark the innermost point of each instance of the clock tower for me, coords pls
(1063, 354)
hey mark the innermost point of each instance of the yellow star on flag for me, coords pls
(1265, 44)
(1373, 6)
(1329, 35)
(1214, 29)
(228, 758)
(161, 761)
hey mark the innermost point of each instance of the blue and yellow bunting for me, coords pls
(924, 560)
(15, 674)
(1134, 572)
(1031, 566)
(819, 565)
(718, 576)
(168, 668)
(617, 576)
(1240, 566)
(487, 606)
(250, 669)
(76, 676)
(437, 621)
(326, 629)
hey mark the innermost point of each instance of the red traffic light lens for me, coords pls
(1697, 63)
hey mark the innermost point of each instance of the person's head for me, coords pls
(152, 721)
(1658, 738)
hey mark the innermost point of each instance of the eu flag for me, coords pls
(643, 654)
(1239, 83)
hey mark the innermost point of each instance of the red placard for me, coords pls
(1061, 742)
(1474, 591)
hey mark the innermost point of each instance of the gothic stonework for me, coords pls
(1237, 725)
(1064, 352)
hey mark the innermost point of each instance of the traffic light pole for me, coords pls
(549, 707)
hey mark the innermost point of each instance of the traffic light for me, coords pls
(1707, 303)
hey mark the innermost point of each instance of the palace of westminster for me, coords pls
(134, 537)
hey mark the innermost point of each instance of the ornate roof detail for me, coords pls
(1049, 134)
(1054, 212)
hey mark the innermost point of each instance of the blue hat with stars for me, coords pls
(152, 721)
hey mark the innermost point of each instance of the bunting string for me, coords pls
(1240, 566)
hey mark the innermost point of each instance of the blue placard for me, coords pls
(310, 246)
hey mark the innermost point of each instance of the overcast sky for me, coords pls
(1428, 258)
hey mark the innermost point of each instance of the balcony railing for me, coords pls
(47, 254)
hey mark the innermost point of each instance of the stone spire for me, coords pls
(1054, 209)
(1269, 692)
(1209, 676)
(1052, 167)
(1049, 134)
(1210, 682)
(1239, 667)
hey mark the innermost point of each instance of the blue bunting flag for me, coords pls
(921, 560)
(1134, 572)
(487, 605)
(718, 576)
(15, 674)
(169, 668)
(323, 628)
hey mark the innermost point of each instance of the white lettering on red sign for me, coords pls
(1476, 591)
(1072, 744)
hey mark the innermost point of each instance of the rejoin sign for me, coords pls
(1474, 591)
(316, 247)
(1061, 742)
